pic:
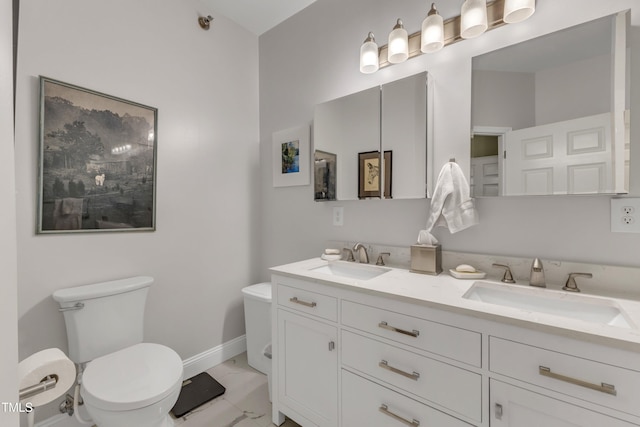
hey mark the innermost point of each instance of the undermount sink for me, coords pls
(350, 270)
(574, 306)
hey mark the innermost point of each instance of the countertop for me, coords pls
(446, 293)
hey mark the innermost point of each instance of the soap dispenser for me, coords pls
(537, 274)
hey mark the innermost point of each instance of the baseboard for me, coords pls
(214, 356)
(192, 366)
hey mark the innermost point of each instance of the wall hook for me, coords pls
(205, 22)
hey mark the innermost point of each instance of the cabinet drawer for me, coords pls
(365, 403)
(308, 302)
(453, 388)
(448, 341)
(590, 380)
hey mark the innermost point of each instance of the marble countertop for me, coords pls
(446, 292)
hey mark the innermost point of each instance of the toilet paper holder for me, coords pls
(47, 383)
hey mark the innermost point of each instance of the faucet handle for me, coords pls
(571, 284)
(380, 260)
(508, 277)
(349, 254)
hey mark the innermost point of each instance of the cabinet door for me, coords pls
(516, 407)
(308, 367)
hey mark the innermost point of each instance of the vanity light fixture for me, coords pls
(398, 44)
(432, 39)
(473, 19)
(369, 55)
(518, 10)
(477, 17)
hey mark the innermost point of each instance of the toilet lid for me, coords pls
(132, 378)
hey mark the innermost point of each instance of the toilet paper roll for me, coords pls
(50, 362)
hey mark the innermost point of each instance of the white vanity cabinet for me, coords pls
(375, 362)
(306, 354)
(349, 356)
(558, 385)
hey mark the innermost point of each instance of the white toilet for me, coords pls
(257, 319)
(126, 382)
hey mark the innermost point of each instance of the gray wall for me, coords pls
(313, 57)
(205, 86)
(8, 270)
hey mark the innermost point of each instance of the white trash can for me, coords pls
(257, 318)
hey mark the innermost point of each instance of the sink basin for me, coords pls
(573, 306)
(350, 270)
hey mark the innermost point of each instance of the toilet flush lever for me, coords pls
(77, 306)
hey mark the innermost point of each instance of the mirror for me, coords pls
(342, 129)
(548, 114)
(373, 143)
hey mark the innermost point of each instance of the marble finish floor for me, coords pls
(244, 404)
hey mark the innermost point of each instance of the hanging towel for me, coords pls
(451, 205)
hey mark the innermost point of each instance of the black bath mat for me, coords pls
(196, 391)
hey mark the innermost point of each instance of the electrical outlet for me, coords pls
(625, 215)
(338, 216)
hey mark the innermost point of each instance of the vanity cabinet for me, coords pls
(306, 355)
(517, 407)
(347, 356)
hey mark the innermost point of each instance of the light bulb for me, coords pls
(432, 37)
(518, 10)
(369, 55)
(398, 44)
(473, 20)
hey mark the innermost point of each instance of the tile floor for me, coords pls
(244, 404)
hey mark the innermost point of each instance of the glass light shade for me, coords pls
(518, 10)
(473, 20)
(398, 44)
(432, 36)
(369, 56)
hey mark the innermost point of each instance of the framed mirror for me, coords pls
(374, 143)
(548, 114)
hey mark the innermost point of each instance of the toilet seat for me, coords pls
(132, 378)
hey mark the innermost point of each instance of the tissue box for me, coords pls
(426, 259)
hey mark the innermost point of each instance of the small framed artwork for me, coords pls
(97, 161)
(291, 151)
(369, 172)
(324, 181)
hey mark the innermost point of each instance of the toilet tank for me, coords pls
(104, 317)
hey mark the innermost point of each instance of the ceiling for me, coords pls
(257, 16)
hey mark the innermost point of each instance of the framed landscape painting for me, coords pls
(97, 161)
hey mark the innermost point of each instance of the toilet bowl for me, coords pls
(126, 382)
(136, 386)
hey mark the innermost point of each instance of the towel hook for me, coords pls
(452, 159)
(205, 22)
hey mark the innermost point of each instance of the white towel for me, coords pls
(451, 205)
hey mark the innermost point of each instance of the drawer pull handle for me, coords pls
(385, 410)
(413, 333)
(295, 300)
(414, 376)
(603, 387)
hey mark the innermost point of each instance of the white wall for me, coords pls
(313, 57)
(205, 86)
(8, 275)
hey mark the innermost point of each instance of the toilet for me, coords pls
(257, 319)
(125, 382)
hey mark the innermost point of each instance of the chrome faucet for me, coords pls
(508, 277)
(537, 274)
(571, 284)
(363, 256)
(349, 252)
